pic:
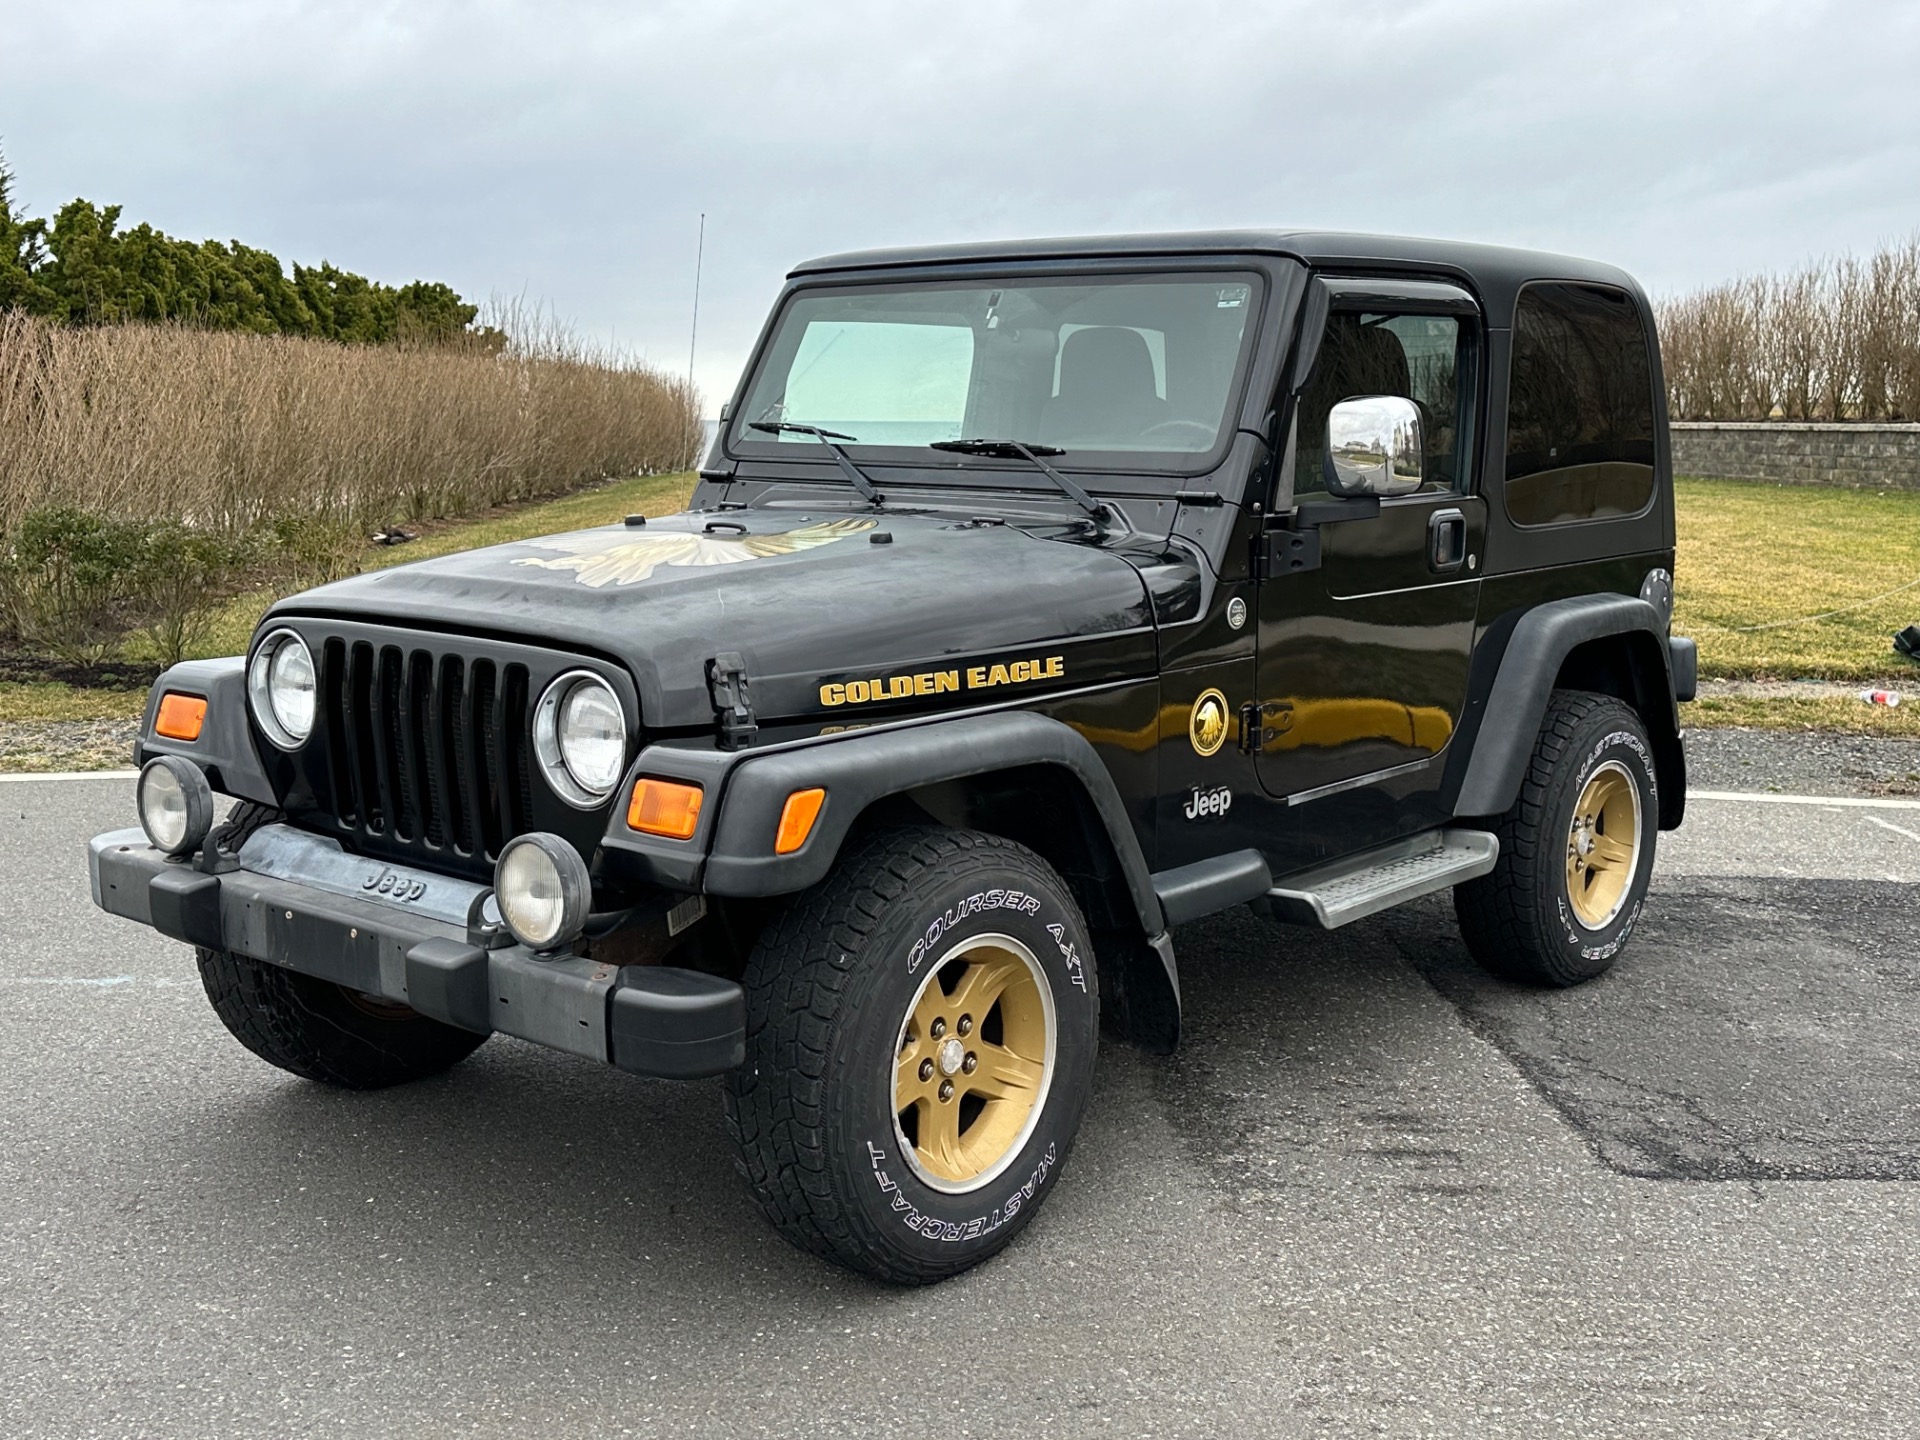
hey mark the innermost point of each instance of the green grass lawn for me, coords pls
(1752, 557)
(1749, 556)
(1757, 563)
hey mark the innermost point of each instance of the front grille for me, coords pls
(426, 751)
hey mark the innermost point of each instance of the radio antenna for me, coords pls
(699, 255)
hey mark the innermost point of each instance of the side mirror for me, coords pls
(1374, 446)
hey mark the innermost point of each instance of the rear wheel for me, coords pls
(921, 1031)
(1576, 849)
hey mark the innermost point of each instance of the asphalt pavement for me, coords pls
(1374, 1193)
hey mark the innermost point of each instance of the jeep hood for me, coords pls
(807, 601)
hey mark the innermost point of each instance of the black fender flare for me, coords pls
(225, 747)
(1516, 705)
(858, 768)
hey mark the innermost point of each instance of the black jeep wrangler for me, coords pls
(1035, 598)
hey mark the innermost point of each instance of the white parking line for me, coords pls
(1850, 802)
(92, 982)
(72, 775)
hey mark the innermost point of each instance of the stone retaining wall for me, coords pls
(1877, 457)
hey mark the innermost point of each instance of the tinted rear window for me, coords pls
(1579, 408)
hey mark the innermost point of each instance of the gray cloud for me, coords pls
(564, 151)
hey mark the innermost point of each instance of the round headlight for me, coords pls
(283, 688)
(541, 886)
(175, 803)
(580, 736)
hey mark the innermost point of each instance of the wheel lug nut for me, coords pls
(926, 1069)
(946, 1089)
(937, 1029)
(965, 1027)
(971, 1063)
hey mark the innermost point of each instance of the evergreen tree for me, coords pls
(84, 269)
(23, 251)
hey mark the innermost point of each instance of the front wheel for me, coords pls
(314, 1028)
(1576, 849)
(322, 1031)
(921, 1031)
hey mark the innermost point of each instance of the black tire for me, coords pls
(1530, 920)
(314, 1028)
(834, 986)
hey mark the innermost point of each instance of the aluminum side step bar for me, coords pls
(1363, 885)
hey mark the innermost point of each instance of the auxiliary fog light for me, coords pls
(176, 804)
(543, 890)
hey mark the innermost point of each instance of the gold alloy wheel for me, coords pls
(1603, 845)
(974, 1062)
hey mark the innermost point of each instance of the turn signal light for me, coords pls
(796, 820)
(661, 807)
(180, 716)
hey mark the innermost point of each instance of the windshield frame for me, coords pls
(920, 465)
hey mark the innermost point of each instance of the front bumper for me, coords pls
(418, 938)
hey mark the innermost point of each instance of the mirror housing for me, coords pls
(1374, 447)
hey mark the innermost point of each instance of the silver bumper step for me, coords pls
(1363, 885)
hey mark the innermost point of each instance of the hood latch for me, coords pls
(727, 683)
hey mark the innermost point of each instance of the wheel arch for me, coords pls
(1611, 644)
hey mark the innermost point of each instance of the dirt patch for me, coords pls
(24, 667)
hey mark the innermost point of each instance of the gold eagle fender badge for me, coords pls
(611, 558)
(1207, 726)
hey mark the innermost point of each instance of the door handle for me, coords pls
(1446, 541)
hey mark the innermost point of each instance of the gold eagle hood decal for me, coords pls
(612, 558)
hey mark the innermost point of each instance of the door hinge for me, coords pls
(1255, 731)
(1285, 552)
(727, 683)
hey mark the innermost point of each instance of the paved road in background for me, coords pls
(1375, 1193)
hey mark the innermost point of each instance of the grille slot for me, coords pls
(427, 751)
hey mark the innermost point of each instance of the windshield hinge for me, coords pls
(727, 683)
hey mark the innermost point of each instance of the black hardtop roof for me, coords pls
(1490, 266)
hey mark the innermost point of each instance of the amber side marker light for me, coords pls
(661, 807)
(796, 820)
(180, 716)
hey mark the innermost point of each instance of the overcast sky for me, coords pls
(566, 151)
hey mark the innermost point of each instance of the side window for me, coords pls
(1579, 407)
(1422, 358)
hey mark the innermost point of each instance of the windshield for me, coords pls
(1128, 369)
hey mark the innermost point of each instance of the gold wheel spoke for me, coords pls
(907, 1084)
(1004, 1075)
(985, 981)
(931, 1007)
(940, 1137)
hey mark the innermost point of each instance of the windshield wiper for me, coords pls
(853, 472)
(1020, 450)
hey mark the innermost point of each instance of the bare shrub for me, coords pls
(1836, 340)
(233, 432)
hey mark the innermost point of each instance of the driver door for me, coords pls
(1362, 670)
